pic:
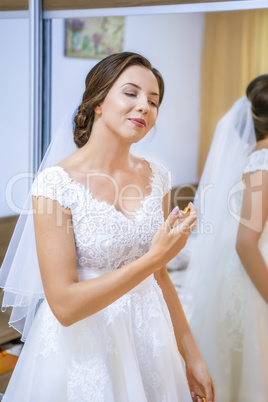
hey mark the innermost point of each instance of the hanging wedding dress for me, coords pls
(126, 352)
(228, 317)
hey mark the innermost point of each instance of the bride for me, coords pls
(109, 325)
(226, 287)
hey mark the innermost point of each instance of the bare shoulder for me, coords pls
(141, 166)
(69, 163)
(72, 165)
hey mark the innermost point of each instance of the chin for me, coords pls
(134, 138)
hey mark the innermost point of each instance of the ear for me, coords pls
(98, 109)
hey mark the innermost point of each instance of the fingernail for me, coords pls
(175, 210)
(192, 394)
(190, 203)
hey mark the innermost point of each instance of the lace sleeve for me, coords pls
(163, 179)
(52, 183)
(258, 160)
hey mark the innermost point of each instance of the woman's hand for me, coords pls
(172, 235)
(200, 382)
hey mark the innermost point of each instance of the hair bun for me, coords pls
(257, 94)
(80, 128)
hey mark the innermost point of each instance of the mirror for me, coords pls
(176, 44)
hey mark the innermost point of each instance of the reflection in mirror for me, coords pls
(206, 60)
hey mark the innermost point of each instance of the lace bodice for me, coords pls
(105, 239)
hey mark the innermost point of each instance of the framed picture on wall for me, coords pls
(94, 38)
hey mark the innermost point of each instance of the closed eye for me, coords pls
(130, 94)
(153, 103)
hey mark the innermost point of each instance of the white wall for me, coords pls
(173, 43)
(14, 110)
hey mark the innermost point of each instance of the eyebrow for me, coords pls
(138, 87)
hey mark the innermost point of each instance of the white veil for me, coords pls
(19, 275)
(216, 201)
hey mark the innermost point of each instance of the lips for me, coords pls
(138, 122)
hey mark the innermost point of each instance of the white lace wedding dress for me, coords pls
(230, 319)
(126, 352)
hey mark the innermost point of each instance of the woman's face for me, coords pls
(131, 106)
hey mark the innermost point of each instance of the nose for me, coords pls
(143, 105)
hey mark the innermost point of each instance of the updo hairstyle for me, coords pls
(257, 94)
(99, 82)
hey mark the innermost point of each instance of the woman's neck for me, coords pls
(262, 144)
(105, 155)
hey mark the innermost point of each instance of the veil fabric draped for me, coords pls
(19, 274)
(226, 313)
(217, 201)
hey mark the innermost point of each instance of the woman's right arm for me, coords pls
(255, 214)
(71, 300)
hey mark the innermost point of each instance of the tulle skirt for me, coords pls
(127, 352)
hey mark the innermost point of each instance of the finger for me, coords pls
(195, 398)
(182, 214)
(209, 393)
(181, 217)
(172, 218)
(192, 227)
(187, 229)
(213, 390)
(192, 207)
(180, 228)
(213, 393)
(184, 228)
(191, 218)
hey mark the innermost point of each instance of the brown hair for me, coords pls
(99, 82)
(257, 94)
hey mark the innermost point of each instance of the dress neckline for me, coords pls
(134, 213)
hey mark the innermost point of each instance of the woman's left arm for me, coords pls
(200, 382)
